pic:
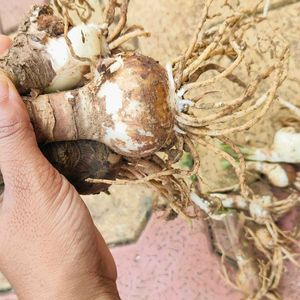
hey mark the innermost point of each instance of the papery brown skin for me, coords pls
(25, 63)
(128, 110)
(80, 160)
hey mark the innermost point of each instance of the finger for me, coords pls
(21, 162)
(5, 43)
(1, 200)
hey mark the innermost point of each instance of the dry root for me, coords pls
(155, 173)
(259, 257)
(268, 244)
(209, 46)
(251, 276)
(227, 41)
(82, 9)
(115, 35)
(261, 208)
(205, 123)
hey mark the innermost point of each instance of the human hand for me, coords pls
(49, 246)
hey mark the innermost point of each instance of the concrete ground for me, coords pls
(168, 260)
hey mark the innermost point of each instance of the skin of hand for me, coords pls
(49, 245)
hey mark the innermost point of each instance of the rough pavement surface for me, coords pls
(11, 12)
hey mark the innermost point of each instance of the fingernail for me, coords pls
(4, 89)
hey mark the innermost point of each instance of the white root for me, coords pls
(172, 87)
(266, 8)
(205, 206)
(275, 173)
(232, 201)
(261, 208)
(285, 148)
(200, 202)
(178, 103)
(293, 108)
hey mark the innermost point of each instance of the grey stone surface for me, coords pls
(121, 216)
(12, 12)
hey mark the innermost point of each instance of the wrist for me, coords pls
(82, 288)
(90, 288)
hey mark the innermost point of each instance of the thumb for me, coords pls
(19, 153)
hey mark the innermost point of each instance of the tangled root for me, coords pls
(233, 110)
(248, 276)
(83, 9)
(206, 123)
(208, 46)
(259, 256)
(185, 75)
(114, 36)
(155, 173)
(200, 122)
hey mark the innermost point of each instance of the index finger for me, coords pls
(5, 43)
